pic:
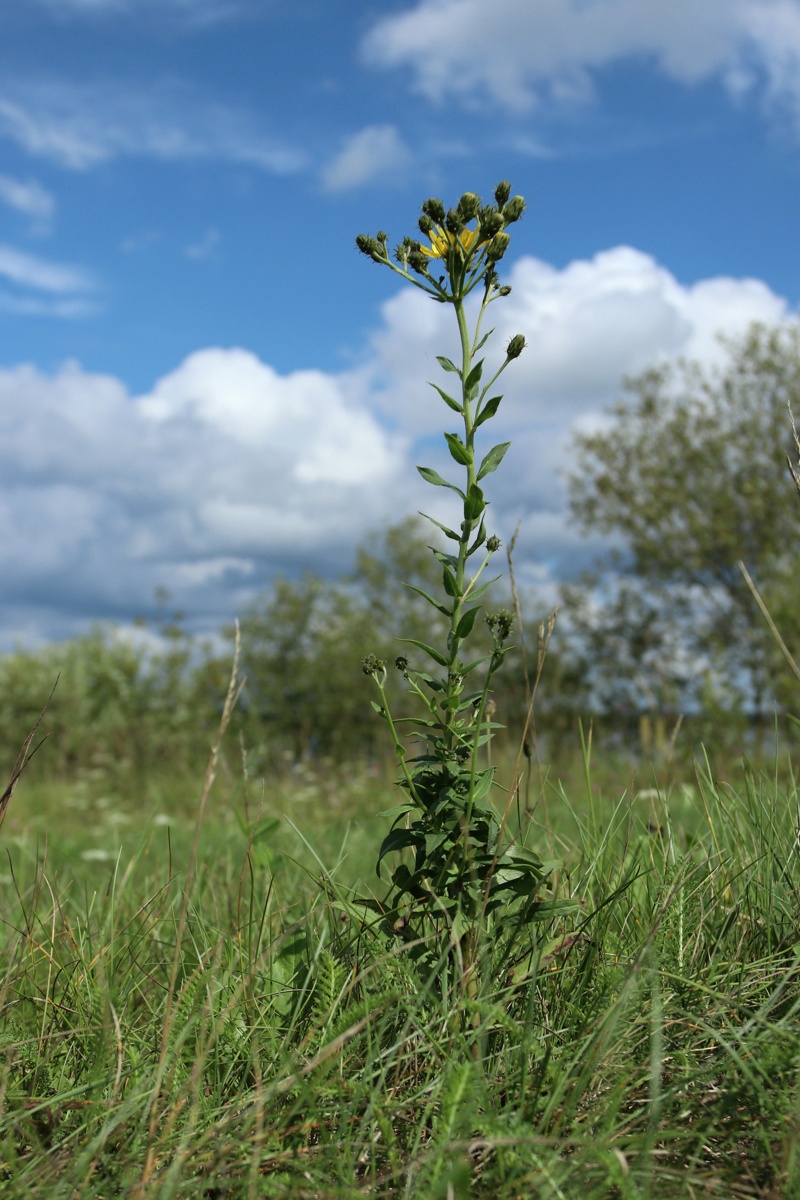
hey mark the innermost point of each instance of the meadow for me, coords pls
(570, 980)
(192, 1005)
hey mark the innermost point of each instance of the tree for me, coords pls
(690, 474)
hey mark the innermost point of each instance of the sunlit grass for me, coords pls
(245, 1037)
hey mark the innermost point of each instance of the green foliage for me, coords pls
(643, 1044)
(117, 704)
(465, 878)
(690, 473)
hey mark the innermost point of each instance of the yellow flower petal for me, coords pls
(442, 240)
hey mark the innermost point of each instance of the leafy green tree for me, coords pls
(689, 474)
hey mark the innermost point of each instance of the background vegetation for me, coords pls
(193, 1004)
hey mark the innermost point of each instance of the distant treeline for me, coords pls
(151, 702)
(688, 475)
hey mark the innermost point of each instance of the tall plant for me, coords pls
(464, 870)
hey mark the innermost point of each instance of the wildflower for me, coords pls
(442, 240)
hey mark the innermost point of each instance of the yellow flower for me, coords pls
(441, 241)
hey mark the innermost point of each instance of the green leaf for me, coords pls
(434, 841)
(447, 560)
(483, 588)
(473, 379)
(447, 365)
(488, 410)
(480, 538)
(473, 666)
(447, 532)
(449, 581)
(493, 459)
(397, 809)
(435, 603)
(398, 839)
(434, 654)
(431, 476)
(482, 785)
(474, 503)
(464, 628)
(449, 401)
(458, 450)
(482, 342)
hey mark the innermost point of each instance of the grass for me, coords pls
(224, 1026)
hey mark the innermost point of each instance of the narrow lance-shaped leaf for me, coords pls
(398, 839)
(493, 459)
(447, 560)
(434, 654)
(441, 608)
(480, 538)
(449, 401)
(458, 450)
(482, 342)
(447, 365)
(489, 409)
(473, 379)
(482, 588)
(467, 621)
(449, 582)
(447, 532)
(431, 476)
(474, 503)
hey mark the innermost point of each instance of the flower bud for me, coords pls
(497, 247)
(372, 248)
(372, 665)
(434, 209)
(502, 192)
(514, 210)
(425, 224)
(515, 346)
(500, 624)
(453, 221)
(492, 544)
(401, 662)
(491, 222)
(469, 206)
(406, 247)
(505, 290)
(418, 262)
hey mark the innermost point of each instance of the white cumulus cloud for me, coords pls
(223, 474)
(521, 52)
(375, 152)
(227, 472)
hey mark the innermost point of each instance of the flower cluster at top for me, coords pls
(469, 240)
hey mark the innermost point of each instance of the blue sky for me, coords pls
(203, 385)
